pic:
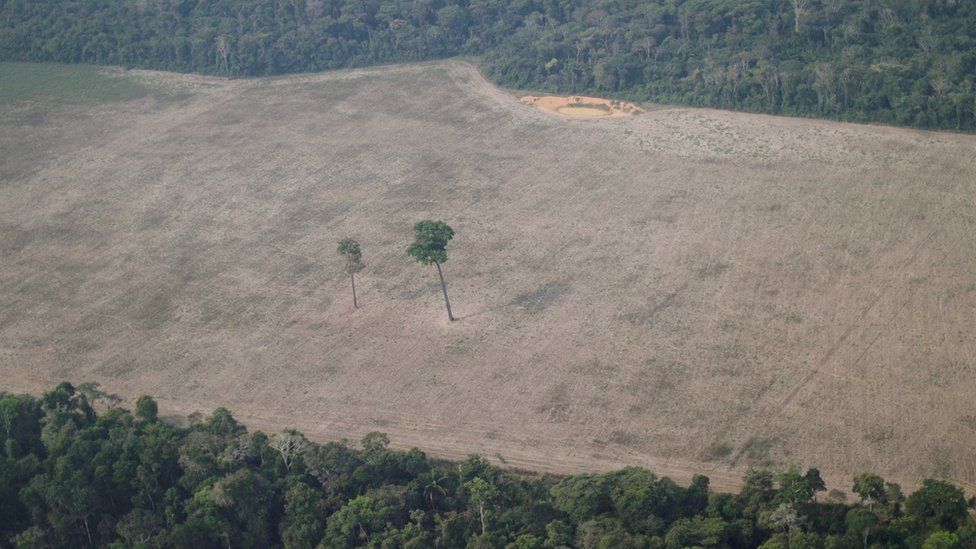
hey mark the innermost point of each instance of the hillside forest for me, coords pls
(74, 477)
(904, 62)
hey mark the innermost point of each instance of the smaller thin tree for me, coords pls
(290, 444)
(352, 254)
(429, 246)
(481, 493)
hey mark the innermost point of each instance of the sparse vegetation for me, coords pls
(717, 450)
(66, 84)
(756, 451)
(598, 106)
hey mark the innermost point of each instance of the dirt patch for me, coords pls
(579, 106)
(540, 299)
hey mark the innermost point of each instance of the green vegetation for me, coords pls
(74, 84)
(717, 450)
(599, 106)
(71, 477)
(352, 262)
(429, 247)
(893, 61)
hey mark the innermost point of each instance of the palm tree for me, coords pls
(433, 483)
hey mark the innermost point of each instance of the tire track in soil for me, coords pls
(819, 369)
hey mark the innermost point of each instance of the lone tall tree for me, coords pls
(351, 252)
(429, 246)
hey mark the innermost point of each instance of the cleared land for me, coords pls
(582, 107)
(690, 290)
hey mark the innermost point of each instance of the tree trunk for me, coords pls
(798, 6)
(355, 304)
(92, 544)
(447, 301)
(481, 508)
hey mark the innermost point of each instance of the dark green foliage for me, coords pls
(937, 505)
(352, 255)
(582, 497)
(70, 477)
(429, 246)
(302, 524)
(430, 240)
(892, 61)
(643, 502)
(697, 532)
(146, 408)
(352, 258)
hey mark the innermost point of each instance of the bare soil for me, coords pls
(632, 290)
(578, 106)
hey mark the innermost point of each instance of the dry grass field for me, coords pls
(689, 290)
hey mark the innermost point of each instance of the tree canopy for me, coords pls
(892, 61)
(72, 477)
(430, 240)
(352, 255)
(429, 246)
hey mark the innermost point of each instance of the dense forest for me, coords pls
(72, 477)
(907, 62)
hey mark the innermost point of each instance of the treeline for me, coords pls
(906, 62)
(72, 478)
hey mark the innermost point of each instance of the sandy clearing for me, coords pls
(582, 106)
(582, 112)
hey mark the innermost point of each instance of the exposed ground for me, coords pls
(581, 106)
(690, 290)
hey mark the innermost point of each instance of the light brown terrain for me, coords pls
(690, 290)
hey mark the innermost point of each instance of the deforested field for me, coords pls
(689, 290)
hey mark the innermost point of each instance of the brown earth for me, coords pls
(578, 106)
(690, 290)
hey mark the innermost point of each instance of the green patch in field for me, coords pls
(757, 450)
(879, 435)
(623, 438)
(717, 451)
(71, 84)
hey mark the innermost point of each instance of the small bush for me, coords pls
(717, 451)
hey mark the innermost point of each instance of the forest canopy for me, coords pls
(906, 62)
(71, 477)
